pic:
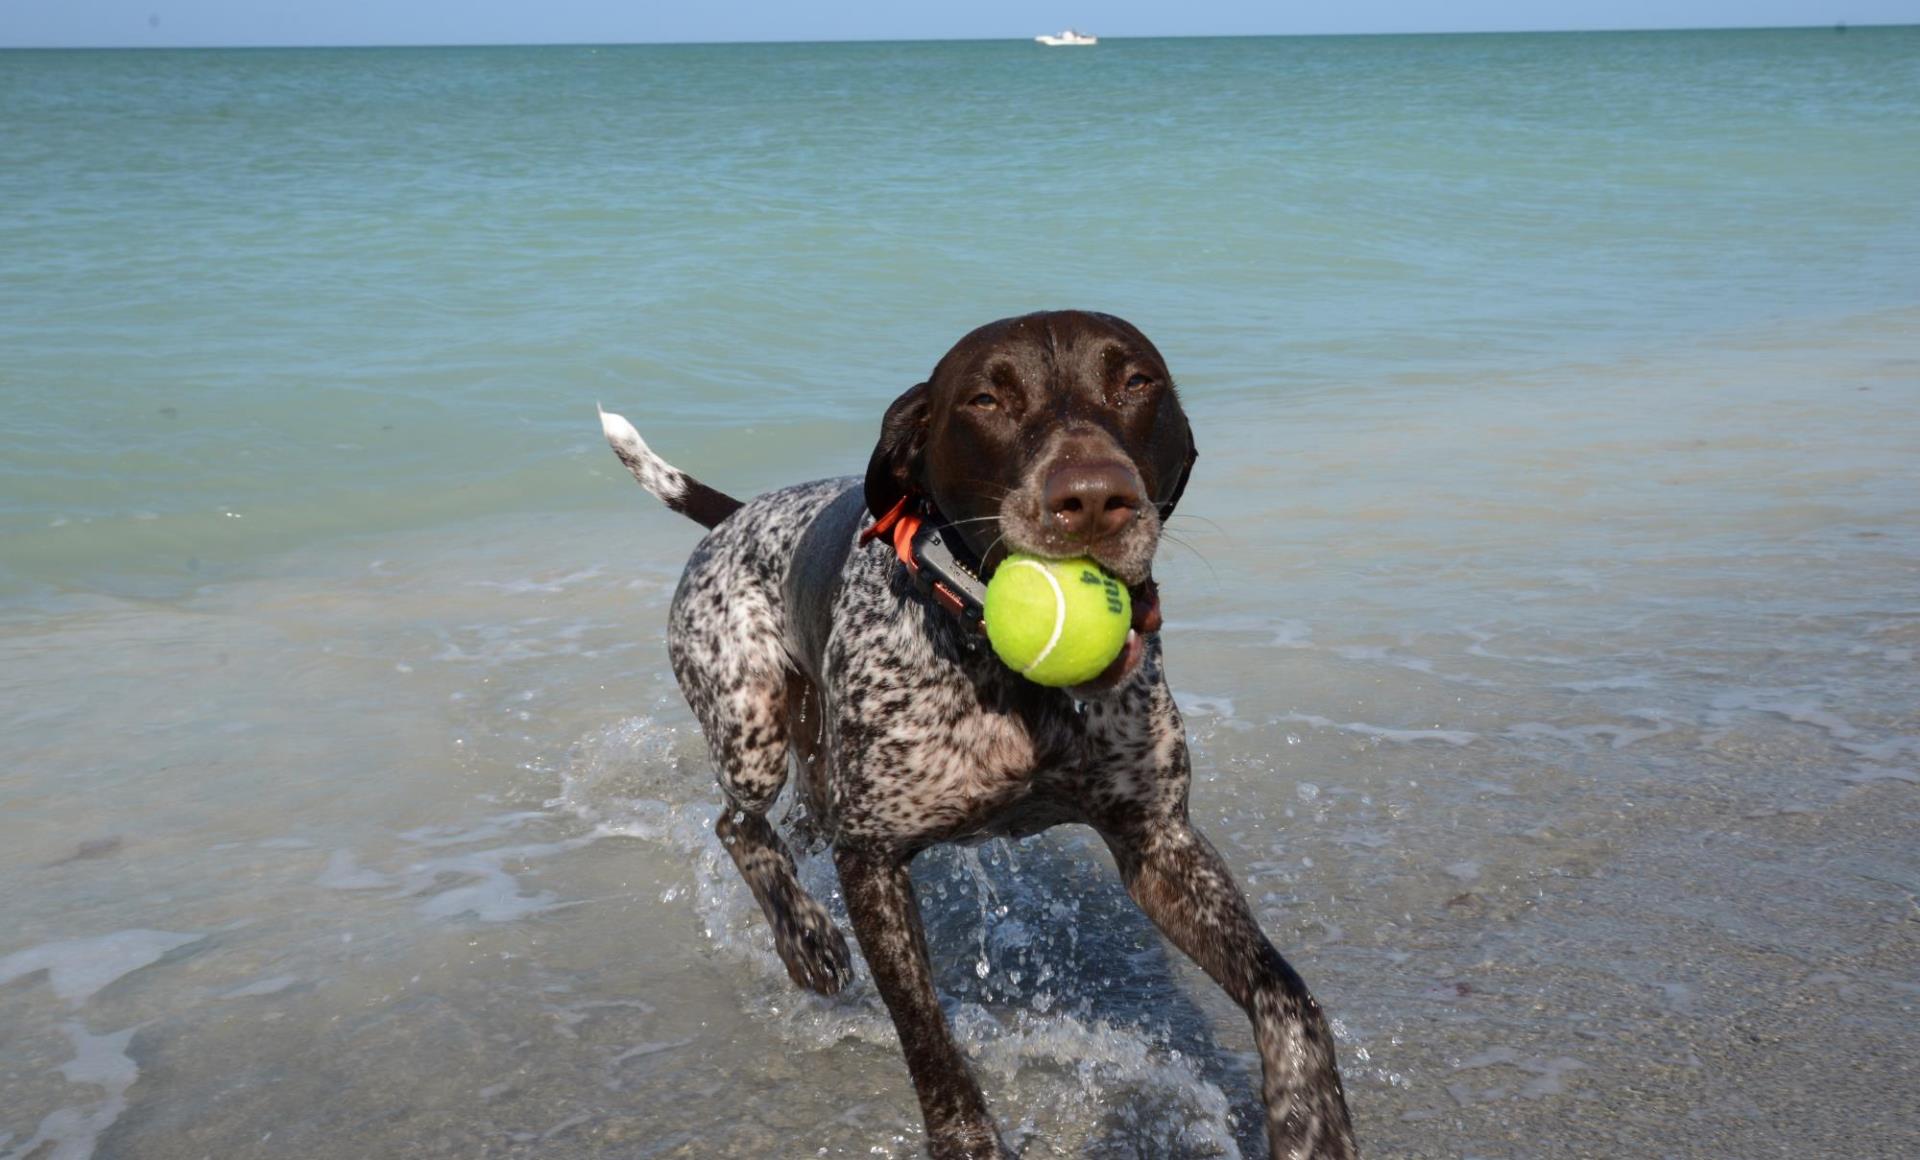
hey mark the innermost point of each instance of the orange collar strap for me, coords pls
(900, 526)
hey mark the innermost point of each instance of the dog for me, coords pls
(817, 628)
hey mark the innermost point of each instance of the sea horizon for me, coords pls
(1833, 26)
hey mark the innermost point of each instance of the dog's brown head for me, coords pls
(1058, 434)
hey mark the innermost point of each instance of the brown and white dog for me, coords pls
(798, 638)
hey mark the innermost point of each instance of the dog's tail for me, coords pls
(669, 484)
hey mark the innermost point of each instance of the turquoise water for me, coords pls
(1542, 609)
(256, 298)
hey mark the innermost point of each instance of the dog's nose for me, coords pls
(1090, 501)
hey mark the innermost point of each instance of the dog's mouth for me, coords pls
(1128, 555)
(1129, 559)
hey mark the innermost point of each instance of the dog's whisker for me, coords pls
(1197, 553)
(1216, 526)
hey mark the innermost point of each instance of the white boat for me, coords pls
(1067, 37)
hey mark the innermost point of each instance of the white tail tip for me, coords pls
(618, 431)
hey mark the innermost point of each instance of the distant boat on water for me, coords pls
(1067, 37)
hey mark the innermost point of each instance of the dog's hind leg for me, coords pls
(741, 697)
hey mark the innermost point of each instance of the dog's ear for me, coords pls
(1186, 469)
(903, 435)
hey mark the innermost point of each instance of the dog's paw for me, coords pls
(813, 950)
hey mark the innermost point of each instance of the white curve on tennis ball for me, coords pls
(1059, 612)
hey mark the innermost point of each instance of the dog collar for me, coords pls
(933, 555)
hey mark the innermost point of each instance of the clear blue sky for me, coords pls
(257, 22)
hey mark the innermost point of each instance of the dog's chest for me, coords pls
(932, 738)
(949, 763)
(929, 737)
(951, 769)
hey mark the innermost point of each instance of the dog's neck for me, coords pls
(936, 557)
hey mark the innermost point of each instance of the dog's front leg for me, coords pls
(886, 920)
(1181, 882)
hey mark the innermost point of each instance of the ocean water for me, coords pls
(1545, 606)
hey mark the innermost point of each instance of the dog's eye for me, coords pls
(984, 401)
(1138, 382)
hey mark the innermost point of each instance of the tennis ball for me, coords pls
(1056, 622)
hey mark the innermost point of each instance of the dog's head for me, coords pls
(1057, 434)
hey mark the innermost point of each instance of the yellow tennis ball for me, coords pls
(1056, 622)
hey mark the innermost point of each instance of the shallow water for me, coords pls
(1552, 686)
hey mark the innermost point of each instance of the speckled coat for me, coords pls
(799, 647)
(927, 736)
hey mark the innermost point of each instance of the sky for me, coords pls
(169, 23)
